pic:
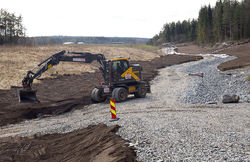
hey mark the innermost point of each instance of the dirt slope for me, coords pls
(241, 51)
(243, 60)
(189, 48)
(95, 143)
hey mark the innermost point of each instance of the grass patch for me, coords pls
(144, 46)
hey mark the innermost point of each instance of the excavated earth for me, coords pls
(95, 143)
(59, 96)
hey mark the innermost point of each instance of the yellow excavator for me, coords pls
(120, 78)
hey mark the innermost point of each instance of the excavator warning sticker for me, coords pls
(79, 59)
(129, 73)
(128, 76)
(106, 90)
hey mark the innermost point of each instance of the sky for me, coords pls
(115, 18)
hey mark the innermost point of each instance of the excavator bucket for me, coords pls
(27, 96)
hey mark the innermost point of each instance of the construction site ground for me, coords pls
(160, 127)
(60, 92)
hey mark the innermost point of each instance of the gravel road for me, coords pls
(174, 122)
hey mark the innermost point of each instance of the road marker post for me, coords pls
(113, 111)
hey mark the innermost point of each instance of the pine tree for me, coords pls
(203, 25)
(246, 20)
(11, 28)
(217, 21)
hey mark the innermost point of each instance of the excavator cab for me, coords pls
(118, 67)
(123, 72)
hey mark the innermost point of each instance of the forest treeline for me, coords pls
(12, 30)
(228, 20)
(49, 40)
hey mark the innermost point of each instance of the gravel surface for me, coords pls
(173, 122)
(214, 83)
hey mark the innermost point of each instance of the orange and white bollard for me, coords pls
(113, 111)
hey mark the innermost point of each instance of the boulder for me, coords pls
(230, 99)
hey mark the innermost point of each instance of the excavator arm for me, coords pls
(55, 59)
(26, 94)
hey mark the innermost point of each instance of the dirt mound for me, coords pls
(68, 92)
(94, 143)
(191, 48)
(243, 60)
(241, 51)
(57, 96)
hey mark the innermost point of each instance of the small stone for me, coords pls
(230, 99)
(211, 102)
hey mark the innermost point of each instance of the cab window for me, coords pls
(119, 66)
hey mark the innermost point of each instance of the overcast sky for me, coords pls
(125, 18)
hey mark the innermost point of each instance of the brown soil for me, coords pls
(68, 92)
(95, 143)
(191, 48)
(241, 51)
(243, 60)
